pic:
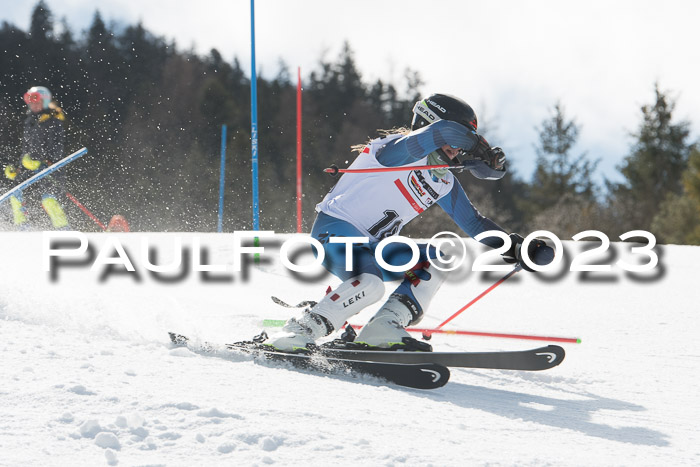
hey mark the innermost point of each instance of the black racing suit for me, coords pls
(43, 140)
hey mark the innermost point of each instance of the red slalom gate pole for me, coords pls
(85, 210)
(427, 335)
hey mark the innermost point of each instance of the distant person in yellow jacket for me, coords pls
(42, 145)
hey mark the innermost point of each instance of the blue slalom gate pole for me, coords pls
(222, 174)
(254, 120)
(65, 161)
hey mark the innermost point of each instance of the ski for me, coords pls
(542, 358)
(414, 375)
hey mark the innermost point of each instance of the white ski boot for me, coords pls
(299, 333)
(386, 328)
(348, 299)
(405, 306)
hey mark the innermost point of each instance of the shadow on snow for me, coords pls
(555, 412)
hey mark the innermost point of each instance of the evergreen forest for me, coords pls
(150, 114)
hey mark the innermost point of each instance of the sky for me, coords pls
(511, 60)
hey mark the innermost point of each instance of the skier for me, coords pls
(42, 144)
(377, 205)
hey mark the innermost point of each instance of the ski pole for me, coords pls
(427, 335)
(66, 160)
(85, 210)
(334, 170)
(574, 340)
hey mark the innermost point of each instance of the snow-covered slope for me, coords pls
(87, 376)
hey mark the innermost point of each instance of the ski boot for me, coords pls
(55, 212)
(299, 334)
(404, 307)
(385, 331)
(329, 314)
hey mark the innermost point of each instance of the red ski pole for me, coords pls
(427, 335)
(85, 210)
(573, 340)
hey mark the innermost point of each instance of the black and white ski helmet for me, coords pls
(443, 107)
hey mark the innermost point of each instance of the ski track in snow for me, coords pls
(88, 376)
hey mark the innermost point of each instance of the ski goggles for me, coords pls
(32, 97)
(461, 154)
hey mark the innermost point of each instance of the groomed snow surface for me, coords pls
(88, 376)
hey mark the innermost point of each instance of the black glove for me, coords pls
(496, 158)
(493, 156)
(537, 250)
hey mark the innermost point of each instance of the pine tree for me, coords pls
(678, 220)
(653, 169)
(558, 174)
(41, 26)
(691, 186)
(562, 195)
(41, 48)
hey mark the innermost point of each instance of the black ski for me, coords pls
(414, 375)
(542, 358)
